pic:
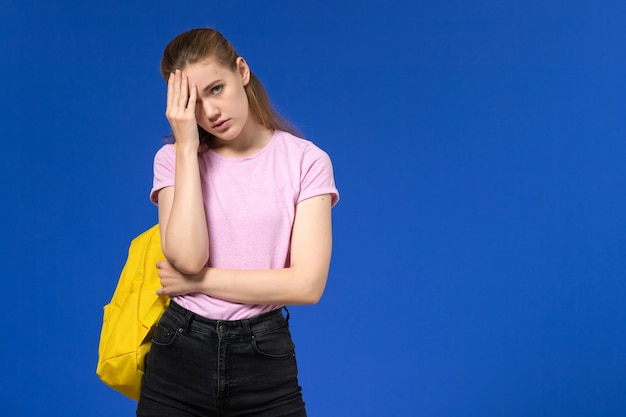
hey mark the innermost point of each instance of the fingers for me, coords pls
(181, 108)
(181, 94)
(172, 281)
(170, 91)
(193, 94)
(173, 91)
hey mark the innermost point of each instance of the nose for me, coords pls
(211, 111)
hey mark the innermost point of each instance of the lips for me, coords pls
(220, 125)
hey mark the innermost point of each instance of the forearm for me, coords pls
(287, 286)
(186, 240)
(303, 282)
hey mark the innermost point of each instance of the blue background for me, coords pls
(479, 147)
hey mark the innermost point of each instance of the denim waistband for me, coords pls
(190, 321)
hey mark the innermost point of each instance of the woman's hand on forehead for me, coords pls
(181, 109)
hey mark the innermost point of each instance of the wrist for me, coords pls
(199, 281)
(187, 149)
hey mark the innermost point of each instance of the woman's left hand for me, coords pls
(176, 283)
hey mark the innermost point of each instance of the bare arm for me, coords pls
(184, 235)
(303, 282)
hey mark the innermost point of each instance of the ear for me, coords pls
(243, 70)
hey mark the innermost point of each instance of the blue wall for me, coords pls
(479, 147)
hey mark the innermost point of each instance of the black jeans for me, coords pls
(202, 367)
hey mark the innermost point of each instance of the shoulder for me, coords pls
(166, 151)
(299, 147)
(165, 160)
(312, 165)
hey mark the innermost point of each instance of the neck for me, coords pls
(251, 140)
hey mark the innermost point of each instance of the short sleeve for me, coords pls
(164, 171)
(317, 176)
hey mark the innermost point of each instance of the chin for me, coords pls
(224, 137)
(228, 136)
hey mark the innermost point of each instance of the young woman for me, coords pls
(245, 215)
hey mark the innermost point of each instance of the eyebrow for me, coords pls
(208, 87)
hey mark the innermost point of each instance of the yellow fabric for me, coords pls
(130, 317)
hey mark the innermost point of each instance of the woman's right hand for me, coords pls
(181, 109)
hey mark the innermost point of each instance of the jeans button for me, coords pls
(222, 328)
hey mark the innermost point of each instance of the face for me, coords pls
(222, 104)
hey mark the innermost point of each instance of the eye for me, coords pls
(217, 89)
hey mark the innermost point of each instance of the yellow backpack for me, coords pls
(130, 317)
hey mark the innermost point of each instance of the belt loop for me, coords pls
(286, 318)
(188, 318)
(246, 327)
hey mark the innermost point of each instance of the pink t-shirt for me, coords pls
(250, 206)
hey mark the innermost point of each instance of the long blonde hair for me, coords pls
(198, 44)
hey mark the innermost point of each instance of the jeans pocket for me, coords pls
(276, 343)
(165, 334)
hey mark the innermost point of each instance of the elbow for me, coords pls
(187, 265)
(188, 268)
(307, 299)
(312, 299)
(312, 292)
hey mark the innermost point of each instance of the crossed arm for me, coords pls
(303, 282)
